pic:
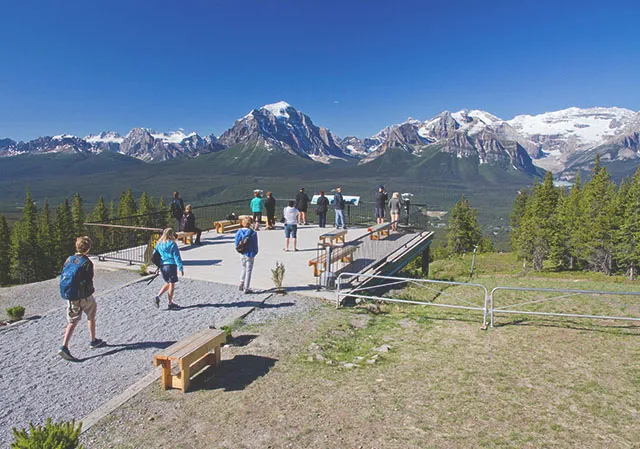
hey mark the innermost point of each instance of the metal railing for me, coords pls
(444, 294)
(593, 304)
(525, 301)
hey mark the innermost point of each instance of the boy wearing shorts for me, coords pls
(86, 303)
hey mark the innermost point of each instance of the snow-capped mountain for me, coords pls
(565, 140)
(280, 127)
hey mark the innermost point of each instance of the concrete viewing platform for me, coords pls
(216, 259)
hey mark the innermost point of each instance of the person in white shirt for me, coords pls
(290, 226)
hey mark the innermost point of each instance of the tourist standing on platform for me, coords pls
(76, 286)
(381, 203)
(338, 204)
(247, 246)
(171, 263)
(395, 205)
(189, 223)
(177, 209)
(322, 207)
(270, 207)
(257, 204)
(302, 204)
(290, 226)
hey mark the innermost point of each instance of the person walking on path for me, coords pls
(322, 207)
(171, 263)
(394, 207)
(381, 203)
(247, 245)
(302, 204)
(257, 204)
(270, 207)
(290, 226)
(76, 284)
(177, 209)
(338, 205)
(189, 223)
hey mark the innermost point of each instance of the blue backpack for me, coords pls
(72, 286)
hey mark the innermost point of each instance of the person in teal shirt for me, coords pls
(257, 204)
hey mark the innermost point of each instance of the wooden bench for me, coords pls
(342, 253)
(223, 226)
(380, 231)
(190, 356)
(186, 237)
(331, 237)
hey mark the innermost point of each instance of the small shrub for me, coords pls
(15, 313)
(277, 276)
(62, 435)
(143, 270)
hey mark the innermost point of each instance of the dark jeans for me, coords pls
(198, 232)
(271, 218)
(322, 219)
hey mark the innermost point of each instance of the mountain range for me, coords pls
(562, 141)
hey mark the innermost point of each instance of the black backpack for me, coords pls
(176, 209)
(243, 245)
(156, 259)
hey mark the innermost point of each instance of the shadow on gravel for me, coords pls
(201, 262)
(258, 304)
(115, 348)
(243, 340)
(235, 374)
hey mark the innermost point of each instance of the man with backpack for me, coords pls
(76, 286)
(247, 246)
(177, 208)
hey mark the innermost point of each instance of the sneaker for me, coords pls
(96, 343)
(65, 354)
(248, 291)
(157, 302)
(173, 306)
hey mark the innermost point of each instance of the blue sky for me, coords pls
(82, 67)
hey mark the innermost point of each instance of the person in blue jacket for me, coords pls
(171, 263)
(249, 252)
(257, 204)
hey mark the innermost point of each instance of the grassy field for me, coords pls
(410, 376)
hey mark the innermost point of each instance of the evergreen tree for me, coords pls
(164, 215)
(25, 252)
(5, 255)
(464, 231)
(46, 242)
(127, 208)
(539, 223)
(146, 211)
(77, 216)
(596, 237)
(65, 237)
(628, 234)
(100, 214)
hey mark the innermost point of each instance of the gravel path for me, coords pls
(41, 297)
(35, 383)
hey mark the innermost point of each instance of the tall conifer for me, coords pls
(5, 255)
(24, 244)
(464, 231)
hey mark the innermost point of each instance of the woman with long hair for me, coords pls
(394, 206)
(171, 263)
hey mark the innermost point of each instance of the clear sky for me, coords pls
(84, 66)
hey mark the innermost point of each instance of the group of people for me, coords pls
(79, 266)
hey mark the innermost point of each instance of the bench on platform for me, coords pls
(337, 235)
(380, 231)
(341, 253)
(189, 356)
(223, 226)
(186, 237)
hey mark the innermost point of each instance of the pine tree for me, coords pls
(77, 216)
(100, 214)
(146, 211)
(46, 242)
(64, 236)
(464, 231)
(127, 208)
(515, 218)
(163, 216)
(25, 252)
(5, 255)
(596, 237)
(627, 248)
(539, 223)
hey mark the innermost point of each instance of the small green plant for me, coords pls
(62, 435)
(277, 276)
(143, 270)
(15, 313)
